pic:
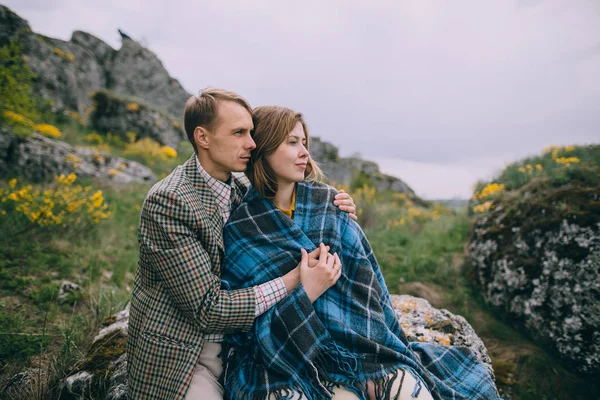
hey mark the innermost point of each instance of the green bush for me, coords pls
(15, 83)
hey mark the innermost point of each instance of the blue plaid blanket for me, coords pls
(348, 336)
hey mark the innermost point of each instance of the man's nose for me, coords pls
(250, 145)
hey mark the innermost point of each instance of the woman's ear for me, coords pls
(201, 137)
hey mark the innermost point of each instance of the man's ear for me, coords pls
(201, 137)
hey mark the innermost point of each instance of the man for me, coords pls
(178, 311)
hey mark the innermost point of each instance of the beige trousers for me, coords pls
(408, 384)
(205, 383)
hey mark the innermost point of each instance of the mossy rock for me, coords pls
(536, 257)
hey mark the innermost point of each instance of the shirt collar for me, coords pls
(222, 190)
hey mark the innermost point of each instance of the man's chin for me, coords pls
(240, 169)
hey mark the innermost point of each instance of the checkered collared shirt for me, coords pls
(267, 294)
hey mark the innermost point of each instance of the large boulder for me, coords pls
(103, 373)
(536, 257)
(120, 115)
(68, 71)
(137, 71)
(38, 158)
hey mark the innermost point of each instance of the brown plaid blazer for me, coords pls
(177, 294)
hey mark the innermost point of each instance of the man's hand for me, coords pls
(322, 276)
(345, 203)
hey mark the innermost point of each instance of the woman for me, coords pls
(348, 342)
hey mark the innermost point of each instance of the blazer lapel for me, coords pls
(207, 204)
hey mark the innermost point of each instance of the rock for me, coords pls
(344, 170)
(65, 288)
(39, 158)
(120, 115)
(536, 257)
(67, 72)
(11, 25)
(107, 360)
(422, 322)
(79, 384)
(136, 71)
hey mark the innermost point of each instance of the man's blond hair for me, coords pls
(202, 110)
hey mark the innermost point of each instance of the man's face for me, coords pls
(230, 142)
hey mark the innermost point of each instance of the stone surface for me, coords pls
(536, 257)
(422, 322)
(65, 288)
(67, 72)
(107, 361)
(39, 158)
(343, 170)
(120, 115)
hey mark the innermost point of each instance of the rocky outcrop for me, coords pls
(344, 170)
(136, 71)
(119, 115)
(39, 158)
(536, 257)
(103, 374)
(67, 72)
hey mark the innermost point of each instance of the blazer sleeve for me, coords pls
(183, 265)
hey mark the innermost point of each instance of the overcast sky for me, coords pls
(439, 93)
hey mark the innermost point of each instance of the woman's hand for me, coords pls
(345, 203)
(316, 280)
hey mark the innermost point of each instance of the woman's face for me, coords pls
(290, 159)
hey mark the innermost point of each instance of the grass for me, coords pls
(423, 257)
(35, 328)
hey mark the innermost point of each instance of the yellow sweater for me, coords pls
(289, 212)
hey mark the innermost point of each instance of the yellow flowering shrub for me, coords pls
(94, 138)
(48, 131)
(414, 216)
(364, 198)
(62, 205)
(490, 190)
(18, 124)
(149, 151)
(168, 152)
(131, 137)
(567, 161)
(483, 207)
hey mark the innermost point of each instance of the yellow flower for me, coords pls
(48, 130)
(97, 199)
(18, 118)
(131, 136)
(490, 190)
(567, 160)
(94, 138)
(113, 172)
(539, 167)
(13, 197)
(133, 106)
(169, 152)
(12, 183)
